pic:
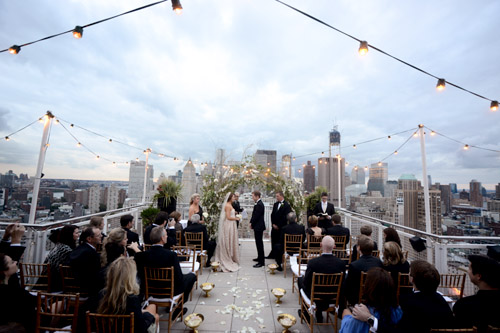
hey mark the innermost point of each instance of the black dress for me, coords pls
(200, 212)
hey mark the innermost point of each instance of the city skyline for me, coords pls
(154, 79)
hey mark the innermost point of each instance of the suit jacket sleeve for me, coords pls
(178, 277)
(171, 237)
(258, 212)
(317, 209)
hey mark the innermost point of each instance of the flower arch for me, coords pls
(230, 178)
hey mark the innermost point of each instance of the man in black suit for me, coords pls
(363, 264)
(367, 231)
(425, 308)
(258, 225)
(337, 229)
(127, 222)
(237, 207)
(196, 226)
(481, 309)
(292, 228)
(281, 208)
(85, 262)
(159, 257)
(161, 221)
(324, 211)
(327, 263)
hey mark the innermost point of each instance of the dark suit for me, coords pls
(355, 250)
(363, 264)
(290, 229)
(15, 252)
(338, 230)
(278, 217)
(85, 262)
(238, 210)
(159, 257)
(258, 226)
(171, 236)
(479, 310)
(398, 268)
(423, 311)
(131, 237)
(323, 222)
(208, 245)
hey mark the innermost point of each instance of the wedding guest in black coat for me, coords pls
(85, 262)
(258, 225)
(483, 308)
(292, 228)
(363, 264)
(394, 261)
(160, 257)
(237, 207)
(324, 211)
(367, 231)
(391, 235)
(127, 222)
(196, 226)
(162, 220)
(338, 230)
(327, 263)
(425, 308)
(281, 208)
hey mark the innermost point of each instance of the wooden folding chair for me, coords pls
(104, 323)
(187, 259)
(35, 277)
(57, 312)
(340, 242)
(404, 284)
(195, 240)
(452, 285)
(324, 287)
(68, 279)
(362, 281)
(293, 244)
(299, 269)
(314, 242)
(343, 255)
(159, 290)
(147, 246)
(375, 253)
(178, 237)
(452, 330)
(493, 329)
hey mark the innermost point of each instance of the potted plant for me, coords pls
(148, 215)
(168, 193)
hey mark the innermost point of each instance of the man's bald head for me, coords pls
(327, 244)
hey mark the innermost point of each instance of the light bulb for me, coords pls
(7, 138)
(466, 147)
(395, 152)
(78, 32)
(14, 49)
(363, 48)
(441, 84)
(78, 144)
(494, 106)
(354, 146)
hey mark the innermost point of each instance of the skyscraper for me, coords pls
(497, 191)
(286, 166)
(358, 175)
(475, 196)
(266, 158)
(309, 177)
(188, 181)
(112, 197)
(446, 197)
(378, 177)
(94, 198)
(328, 175)
(136, 180)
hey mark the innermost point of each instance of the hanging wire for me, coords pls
(19, 130)
(463, 143)
(399, 148)
(84, 146)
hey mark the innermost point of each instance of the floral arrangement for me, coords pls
(168, 190)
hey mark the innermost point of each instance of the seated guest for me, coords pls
(379, 310)
(367, 231)
(394, 261)
(65, 240)
(127, 222)
(11, 241)
(98, 222)
(85, 262)
(16, 304)
(363, 264)
(327, 263)
(112, 251)
(195, 226)
(161, 221)
(177, 218)
(160, 257)
(425, 308)
(337, 229)
(313, 229)
(324, 211)
(483, 308)
(121, 296)
(391, 235)
(117, 236)
(292, 228)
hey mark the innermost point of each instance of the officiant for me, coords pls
(324, 211)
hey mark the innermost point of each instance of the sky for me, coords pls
(244, 75)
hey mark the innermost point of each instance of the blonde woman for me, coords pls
(195, 208)
(117, 236)
(394, 260)
(121, 295)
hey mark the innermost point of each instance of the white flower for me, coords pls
(239, 216)
(205, 214)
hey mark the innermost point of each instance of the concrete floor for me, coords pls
(250, 290)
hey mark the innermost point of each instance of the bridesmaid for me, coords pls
(195, 208)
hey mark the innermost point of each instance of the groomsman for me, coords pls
(324, 211)
(281, 208)
(258, 225)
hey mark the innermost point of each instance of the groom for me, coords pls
(258, 226)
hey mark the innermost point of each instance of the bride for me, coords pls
(227, 252)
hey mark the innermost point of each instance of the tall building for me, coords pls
(475, 196)
(378, 177)
(112, 197)
(497, 191)
(309, 177)
(266, 158)
(328, 175)
(453, 188)
(358, 175)
(220, 157)
(94, 198)
(446, 197)
(136, 180)
(286, 166)
(188, 181)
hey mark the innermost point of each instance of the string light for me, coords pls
(433, 133)
(78, 32)
(14, 49)
(366, 168)
(114, 163)
(40, 120)
(388, 137)
(97, 157)
(363, 48)
(78, 144)
(415, 134)
(441, 84)
(57, 121)
(356, 168)
(354, 146)
(176, 6)
(466, 147)
(72, 125)
(379, 163)
(395, 152)
(322, 153)
(7, 138)
(300, 170)
(110, 140)
(494, 105)
(137, 159)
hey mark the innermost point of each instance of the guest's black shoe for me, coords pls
(256, 259)
(319, 316)
(269, 257)
(279, 269)
(257, 265)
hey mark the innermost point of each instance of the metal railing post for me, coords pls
(105, 229)
(441, 255)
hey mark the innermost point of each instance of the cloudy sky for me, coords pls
(250, 74)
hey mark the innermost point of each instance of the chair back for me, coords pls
(340, 241)
(375, 253)
(493, 329)
(147, 246)
(343, 255)
(194, 239)
(305, 256)
(103, 323)
(293, 243)
(69, 282)
(451, 330)
(404, 284)
(159, 282)
(185, 254)
(35, 276)
(326, 287)
(362, 281)
(314, 242)
(452, 285)
(178, 237)
(57, 312)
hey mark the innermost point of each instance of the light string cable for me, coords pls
(88, 25)
(7, 137)
(80, 144)
(399, 148)
(387, 54)
(465, 145)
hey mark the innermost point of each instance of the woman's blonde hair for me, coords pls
(313, 221)
(115, 236)
(195, 195)
(120, 283)
(393, 254)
